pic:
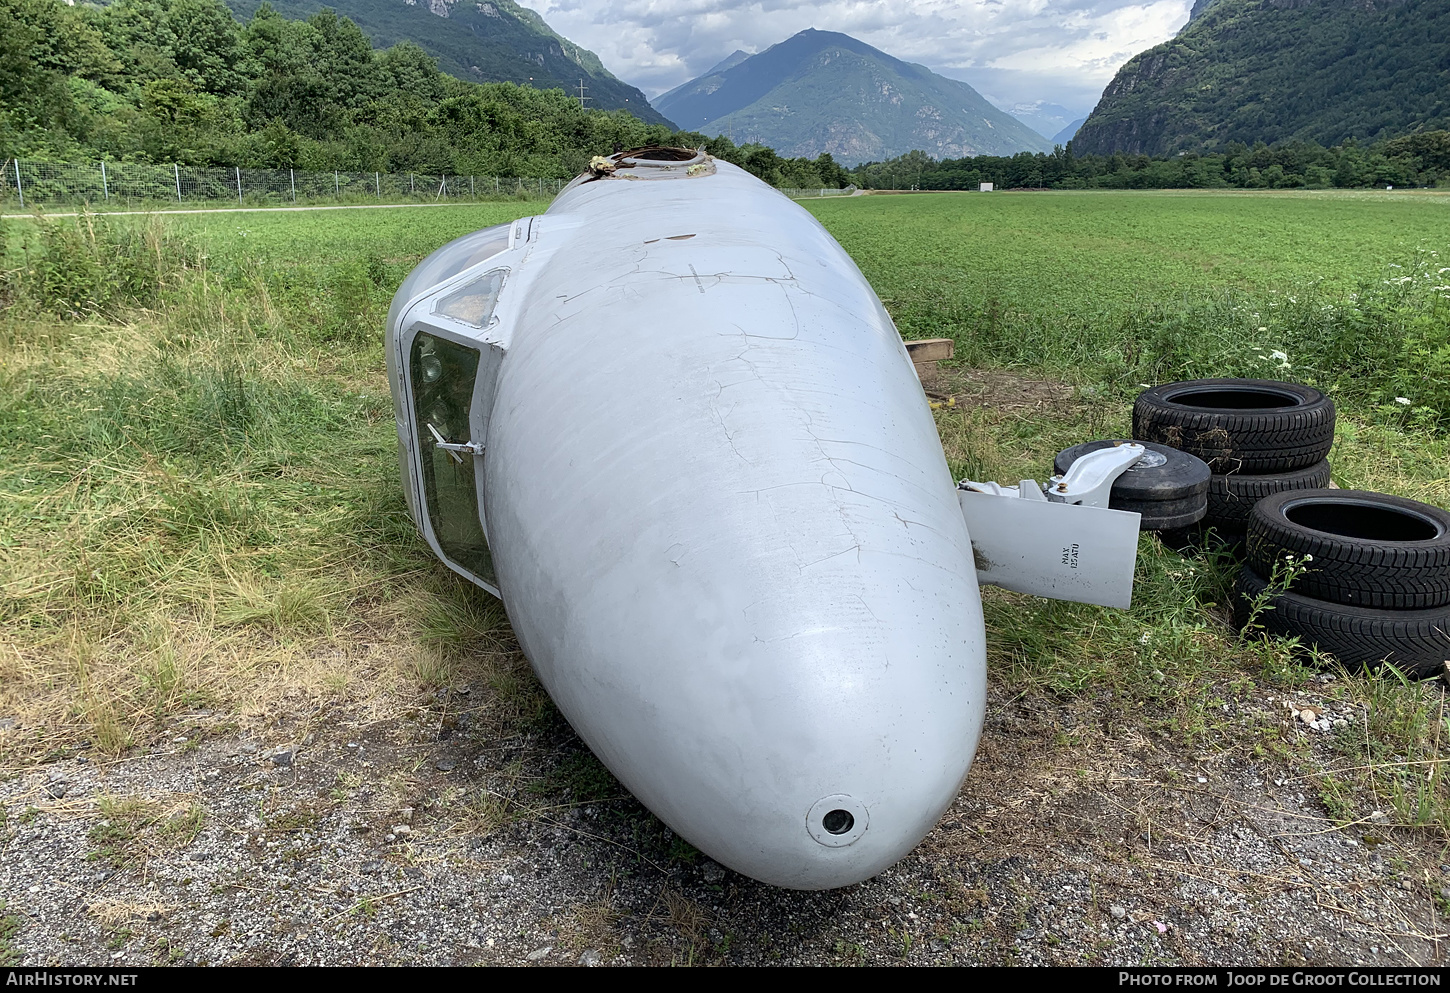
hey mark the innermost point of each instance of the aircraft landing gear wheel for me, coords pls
(1168, 487)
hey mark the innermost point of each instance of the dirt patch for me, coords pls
(1001, 389)
(422, 838)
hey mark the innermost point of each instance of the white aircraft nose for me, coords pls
(731, 547)
(818, 755)
(804, 724)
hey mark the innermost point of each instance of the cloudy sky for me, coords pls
(1013, 51)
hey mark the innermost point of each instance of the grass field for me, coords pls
(1061, 254)
(1349, 290)
(199, 507)
(324, 236)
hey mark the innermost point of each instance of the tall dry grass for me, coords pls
(198, 507)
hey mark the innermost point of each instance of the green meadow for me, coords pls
(1346, 290)
(1096, 252)
(199, 508)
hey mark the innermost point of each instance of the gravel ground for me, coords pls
(423, 836)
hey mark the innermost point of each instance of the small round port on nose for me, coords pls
(837, 820)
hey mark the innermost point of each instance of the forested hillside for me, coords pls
(1413, 160)
(496, 41)
(1280, 70)
(183, 81)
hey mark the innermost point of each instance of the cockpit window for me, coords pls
(443, 375)
(473, 302)
(449, 261)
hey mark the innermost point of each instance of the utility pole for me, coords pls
(582, 97)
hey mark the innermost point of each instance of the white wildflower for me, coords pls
(1281, 357)
(1403, 401)
(1262, 328)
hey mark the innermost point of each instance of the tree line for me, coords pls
(183, 81)
(1421, 159)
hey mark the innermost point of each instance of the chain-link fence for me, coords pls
(27, 184)
(796, 194)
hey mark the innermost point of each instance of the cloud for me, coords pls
(1014, 51)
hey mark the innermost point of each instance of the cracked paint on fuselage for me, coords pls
(724, 529)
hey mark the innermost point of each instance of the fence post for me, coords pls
(292, 179)
(176, 171)
(379, 184)
(495, 186)
(336, 187)
(411, 188)
(470, 188)
(239, 184)
(105, 189)
(17, 183)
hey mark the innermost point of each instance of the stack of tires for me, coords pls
(1259, 438)
(1375, 580)
(1370, 572)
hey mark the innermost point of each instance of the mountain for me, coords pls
(1047, 119)
(1278, 70)
(484, 42)
(730, 61)
(820, 91)
(1068, 133)
(710, 81)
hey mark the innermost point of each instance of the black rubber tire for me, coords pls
(1368, 549)
(1417, 642)
(1231, 497)
(1170, 493)
(1251, 426)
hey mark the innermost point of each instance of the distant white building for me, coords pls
(985, 187)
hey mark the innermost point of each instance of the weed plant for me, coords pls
(9, 929)
(97, 265)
